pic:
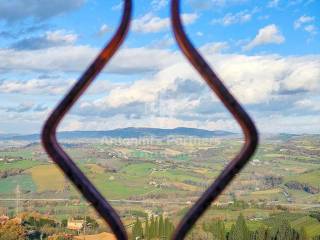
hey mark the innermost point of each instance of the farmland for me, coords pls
(168, 175)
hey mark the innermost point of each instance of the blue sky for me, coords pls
(266, 52)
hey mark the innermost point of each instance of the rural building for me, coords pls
(76, 225)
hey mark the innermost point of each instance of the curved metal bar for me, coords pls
(55, 151)
(247, 125)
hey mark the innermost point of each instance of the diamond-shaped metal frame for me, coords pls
(89, 191)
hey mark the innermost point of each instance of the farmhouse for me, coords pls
(76, 225)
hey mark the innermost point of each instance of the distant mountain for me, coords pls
(128, 133)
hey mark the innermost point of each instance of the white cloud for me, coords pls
(267, 35)
(305, 104)
(35, 86)
(252, 79)
(312, 29)
(151, 24)
(50, 86)
(302, 21)
(177, 96)
(15, 10)
(48, 40)
(120, 121)
(165, 42)
(77, 58)
(61, 36)
(213, 48)
(174, 95)
(306, 23)
(104, 29)
(159, 4)
(229, 18)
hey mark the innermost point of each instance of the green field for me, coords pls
(9, 185)
(21, 164)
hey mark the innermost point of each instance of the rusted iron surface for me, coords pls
(247, 125)
(55, 151)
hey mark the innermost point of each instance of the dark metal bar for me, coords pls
(55, 151)
(247, 125)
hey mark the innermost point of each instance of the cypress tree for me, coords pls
(156, 229)
(167, 229)
(285, 232)
(147, 230)
(161, 227)
(152, 228)
(137, 231)
(140, 228)
(217, 229)
(303, 234)
(241, 230)
(230, 235)
(261, 234)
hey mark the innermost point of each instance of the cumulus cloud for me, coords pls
(172, 93)
(150, 23)
(14, 10)
(50, 39)
(177, 92)
(35, 86)
(229, 18)
(48, 86)
(177, 96)
(23, 107)
(77, 58)
(267, 35)
(165, 42)
(214, 47)
(306, 104)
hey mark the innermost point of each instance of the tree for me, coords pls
(156, 229)
(216, 229)
(219, 230)
(261, 233)
(64, 222)
(152, 231)
(137, 230)
(285, 232)
(12, 231)
(161, 227)
(303, 234)
(147, 230)
(168, 228)
(240, 230)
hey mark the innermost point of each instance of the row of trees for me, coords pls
(281, 230)
(162, 228)
(155, 228)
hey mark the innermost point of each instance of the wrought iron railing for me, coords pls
(89, 191)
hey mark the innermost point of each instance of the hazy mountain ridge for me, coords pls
(128, 133)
